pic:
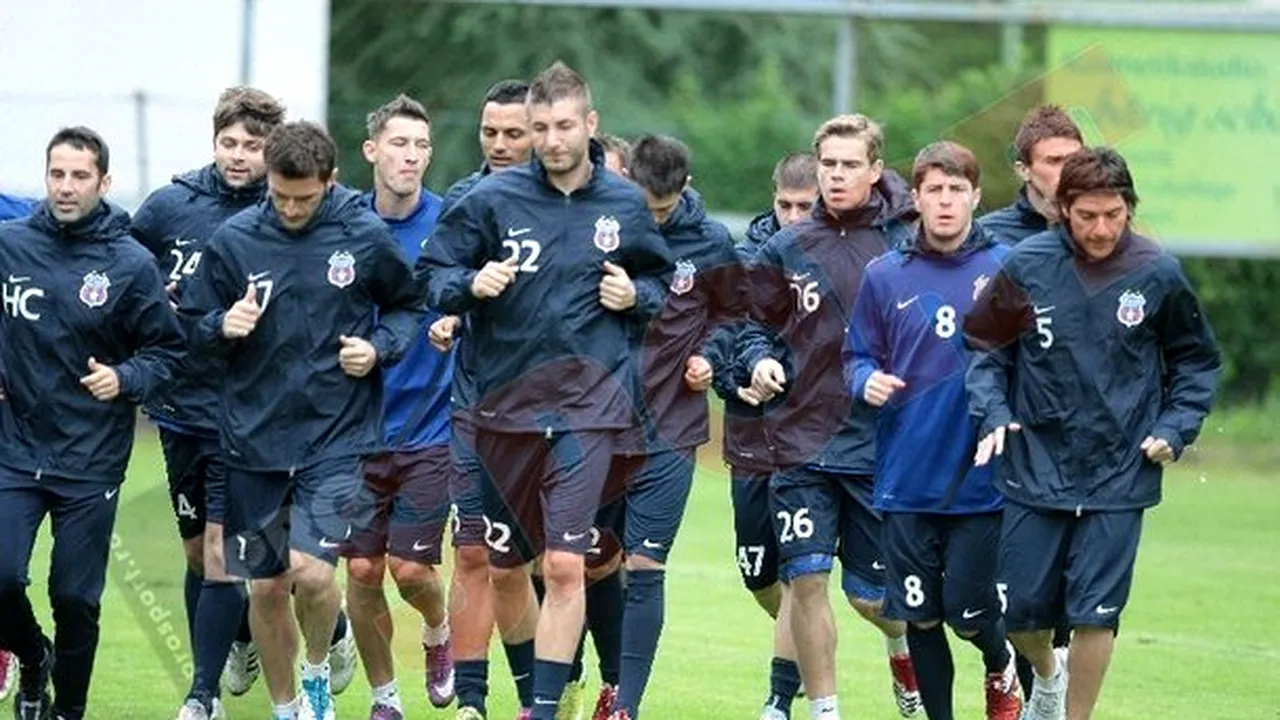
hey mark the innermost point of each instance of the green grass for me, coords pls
(1199, 638)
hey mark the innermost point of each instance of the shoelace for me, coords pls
(317, 690)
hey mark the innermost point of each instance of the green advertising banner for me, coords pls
(1197, 115)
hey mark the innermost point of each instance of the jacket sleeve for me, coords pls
(770, 306)
(992, 330)
(207, 296)
(865, 346)
(399, 297)
(156, 337)
(1192, 365)
(453, 255)
(648, 263)
(147, 226)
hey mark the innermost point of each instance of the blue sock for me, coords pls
(605, 602)
(549, 678)
(935, 672)
(784, 683)
(220, 608)
(245, 633)
(339, 629)
(471, 684)
(191, 586)
(576, 673)
(641, 629)
(520, 659)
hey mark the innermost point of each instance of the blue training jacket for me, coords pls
(13, 207)
(415, 391)
(908, 322)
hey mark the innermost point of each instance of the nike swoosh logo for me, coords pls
(573, 538)
(1104, 610)
(512, 232)
(254, 277)
(419, 546)
(651, 544)
(540, 701)
(15, 280)
(329, 544)
(906, 303)
(111, 493)
(971, 614)
(183, 243)
(877, 565)
(1042, 310)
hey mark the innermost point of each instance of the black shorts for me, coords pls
(197, 480)
(941, 567)
(541, 493)
(818, 515)
(657, 492)
(1057, 565)
(410, 492)
(315, 510)
(756, 542)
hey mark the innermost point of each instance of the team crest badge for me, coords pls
(1132, 308)
(607, 238)
(978, 284)
(94, 290)
(682, 282)
(342, 269)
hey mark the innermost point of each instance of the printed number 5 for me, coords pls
(1002, 590)
(1043, 329)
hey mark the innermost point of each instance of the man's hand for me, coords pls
(494, 278)
(617, 292)
(880, 387)
(242, 318)
(993, 444)
(697, 373)
(768, 379)
(1158, 450)
(357, 356)
(440, 334)
(102, 381)
(750, 396)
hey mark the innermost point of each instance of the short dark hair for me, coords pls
(1042, 123)
(617, 144)
(796, 171)
(556, 83)
(507, 92)
(1095, 170)
(402, 106)
(300, 150)
(259, 112)
(660, 164)
(81, 138)
(951, 158)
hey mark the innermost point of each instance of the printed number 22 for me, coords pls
(519, 247)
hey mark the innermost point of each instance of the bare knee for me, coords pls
(510, 581)
(471, 560)
(601, 572)
(366, 572)
(867, 608)
(270, 591)
(810, 589)
(311, 576)
(411, 576)
(562, 571)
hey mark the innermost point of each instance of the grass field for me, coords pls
(1201, 638)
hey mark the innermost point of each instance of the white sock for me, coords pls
(278, 712)
(896, 646)
(310, 671)
(824, 708)
(388, 695)
(435, 636)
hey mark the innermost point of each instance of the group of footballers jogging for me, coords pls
(971, 414)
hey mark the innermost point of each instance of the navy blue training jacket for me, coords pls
(71, 292)
(1014, 223)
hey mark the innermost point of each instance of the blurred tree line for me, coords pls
(741, 91)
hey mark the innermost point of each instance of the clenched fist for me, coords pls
(242, 318)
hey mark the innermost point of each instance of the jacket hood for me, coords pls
(341, 206)
(689, 213)
(103, 223)
(209, 182)
(762, 227)
(977, 240)
(889, 202)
